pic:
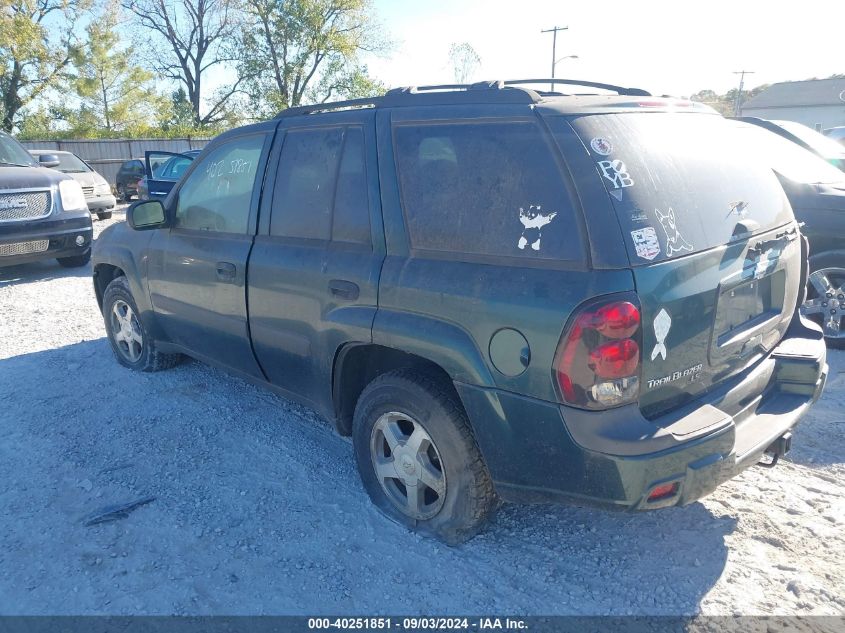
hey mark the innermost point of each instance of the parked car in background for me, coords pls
(836, 134)
(816, 191)
(127, 179)
(97, 191)
(162, 171)
(496, 291)
(804, 136)
(43, 213)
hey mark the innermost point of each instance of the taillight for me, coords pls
(597, 364)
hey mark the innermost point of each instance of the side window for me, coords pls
(351, 222)
(485, 189)
(305, 183)
(217, 194)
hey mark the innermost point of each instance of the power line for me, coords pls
(554, 49)
(742, 74)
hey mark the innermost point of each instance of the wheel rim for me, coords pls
(407, 465)
(126, 331)
(825, 302)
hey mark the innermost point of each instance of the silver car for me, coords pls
(98, 193)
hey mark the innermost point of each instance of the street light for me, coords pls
(556, 62)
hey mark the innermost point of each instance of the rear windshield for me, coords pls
(681, 183)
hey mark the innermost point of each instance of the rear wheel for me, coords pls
(122, 194)
(825, 302)
(104, 215)
(418, 459)
(131, 344)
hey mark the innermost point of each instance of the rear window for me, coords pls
(490, 189)
(681, 183)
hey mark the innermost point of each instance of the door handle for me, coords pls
(226, 271)
(344, 289)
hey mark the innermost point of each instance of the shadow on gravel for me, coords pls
(39, 271)
(258, 509)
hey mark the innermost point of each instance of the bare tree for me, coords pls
(198, 37)
(465, 61)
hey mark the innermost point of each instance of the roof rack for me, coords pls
(479, 92)
(620, 90)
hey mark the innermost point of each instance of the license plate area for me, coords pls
(748, 306)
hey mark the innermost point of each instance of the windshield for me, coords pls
(72, 164)
(13, 153)
(820, 143)
(788, 159)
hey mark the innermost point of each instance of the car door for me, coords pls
(314, 269)
(197, 268)
(163, 170)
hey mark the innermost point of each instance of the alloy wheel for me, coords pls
(825, 302)
(407, 464)
(126, 331)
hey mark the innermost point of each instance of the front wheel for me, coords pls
(825, 302)
(131, 344)
(75, 261)
(418, 459)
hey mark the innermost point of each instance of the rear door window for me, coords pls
(681, 183)
(485, 188)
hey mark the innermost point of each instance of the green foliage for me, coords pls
(306, 51)
(725, 104)
(37, 45)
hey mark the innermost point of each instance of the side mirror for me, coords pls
(48, 160)
(146, 214)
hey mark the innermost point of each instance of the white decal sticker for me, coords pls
(616, 172)
(662, 324)
(533, 220)
(646, 243)
(601, 146)
(639, 216)
(675, 242)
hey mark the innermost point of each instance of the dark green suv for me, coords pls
(498, 292)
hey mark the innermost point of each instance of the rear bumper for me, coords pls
(101, 203)
(60, 234)
(539, 451)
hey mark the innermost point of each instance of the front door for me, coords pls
(314, 270)
(197, 269)
(163, 170)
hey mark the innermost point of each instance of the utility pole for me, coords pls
(742, 74)
(554, 49)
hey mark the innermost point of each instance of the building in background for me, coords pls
(817, 103)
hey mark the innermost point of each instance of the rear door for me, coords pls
(314, 269)
(711, 240)
(163, 170)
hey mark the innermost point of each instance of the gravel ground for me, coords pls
(258, 508)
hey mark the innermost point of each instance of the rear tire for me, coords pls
(133, 347)
(75, 261)
(829, 266)
(122, 194)
(410, 431)
(104, 215)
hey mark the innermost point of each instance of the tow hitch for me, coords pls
(777, 448)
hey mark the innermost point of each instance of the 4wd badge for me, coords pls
(646, 243)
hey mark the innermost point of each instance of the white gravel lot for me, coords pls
(258, 508)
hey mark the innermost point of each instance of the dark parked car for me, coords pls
(127, 179)
(97, 191)
(806, 137)
(162, 171)
(495, 291)
(816, 191)
(43, 213)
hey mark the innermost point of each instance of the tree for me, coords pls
(37, 46)
(307, 50)
(465, 61)
(119, 93)
(198, 38)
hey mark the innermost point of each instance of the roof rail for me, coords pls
(632, 92)
(368, 102)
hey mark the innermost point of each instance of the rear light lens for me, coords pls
(663, 492)
(597, 364)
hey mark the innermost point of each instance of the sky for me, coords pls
(675, 48)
